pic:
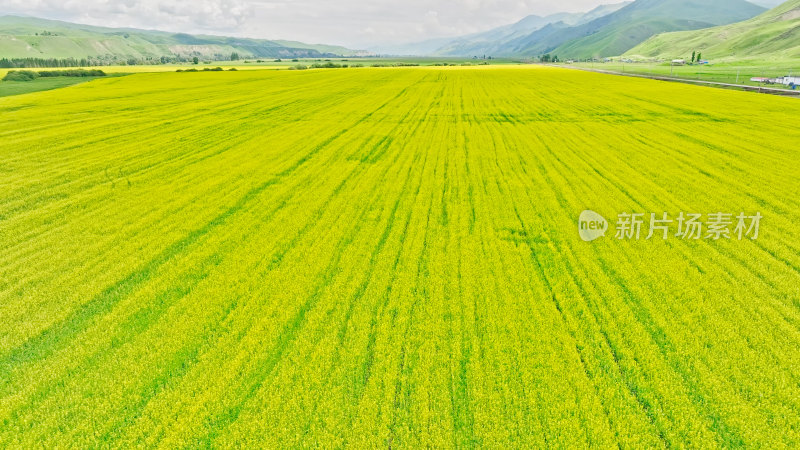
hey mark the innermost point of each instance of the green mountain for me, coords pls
(774, 34)
(497, 41)
(608, 30)
(26, 37)
(617, 33)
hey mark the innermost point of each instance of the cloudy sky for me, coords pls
(355, 23)
(359, 23)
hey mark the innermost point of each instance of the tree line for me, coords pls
(29, 75)
(36, 63)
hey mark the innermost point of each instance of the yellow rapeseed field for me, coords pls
(391, 258)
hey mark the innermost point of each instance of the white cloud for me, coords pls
(357, 23)
(221, 15)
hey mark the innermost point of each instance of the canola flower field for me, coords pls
(391, 258)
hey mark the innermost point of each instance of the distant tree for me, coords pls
(71, 73)
(693, 56)
(234, 56)
(699, 57)
(21, 75)
(195, 60)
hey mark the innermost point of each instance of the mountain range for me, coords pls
(496, 41)
(774, 34)
(27, 37)
(651, 28)
(608, 30)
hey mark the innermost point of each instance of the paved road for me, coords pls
(759, 89)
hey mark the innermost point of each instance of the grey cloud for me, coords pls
(356, 23)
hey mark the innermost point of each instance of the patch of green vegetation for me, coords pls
(624, 29)
(216, 69)
(30, 75)
(774, 34)
(27, 37)
(8, 88)
(21, 75)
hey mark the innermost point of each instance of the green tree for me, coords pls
(21, 75)
(699, 57)
(234, 56)
(195, 60)
(693, 56)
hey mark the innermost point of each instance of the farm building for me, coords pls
(786, 81)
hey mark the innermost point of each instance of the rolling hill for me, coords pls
(608, 30)
(774, 34)
(26, 37)
(619, 32)
(496, 41)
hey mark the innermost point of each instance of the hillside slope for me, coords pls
(498, 41)
(26, 37)
(619, 32)
(608, 30)
(774, 34)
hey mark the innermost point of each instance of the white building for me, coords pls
(789, 81)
